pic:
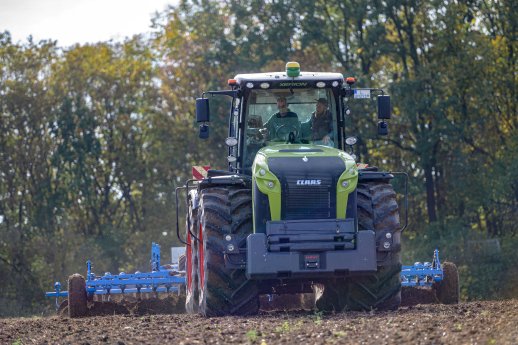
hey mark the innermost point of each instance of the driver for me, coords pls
(283, 118)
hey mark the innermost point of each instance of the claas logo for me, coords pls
(309, 182)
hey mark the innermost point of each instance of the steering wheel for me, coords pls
(283, 131)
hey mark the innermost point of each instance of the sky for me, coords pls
(78, 21)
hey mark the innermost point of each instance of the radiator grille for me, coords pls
(308, 202)
(308, 186)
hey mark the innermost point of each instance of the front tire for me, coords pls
(378, 211)
(224, 291)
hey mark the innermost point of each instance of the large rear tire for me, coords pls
(77, 306)
(448, 290)
(191, 254)
(378, 211)
(224, 291)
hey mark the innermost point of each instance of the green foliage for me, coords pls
(251, 336)
(284, 328)
(318, 317)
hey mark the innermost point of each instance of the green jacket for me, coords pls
(279, 126)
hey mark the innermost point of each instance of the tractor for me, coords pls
(293, 213)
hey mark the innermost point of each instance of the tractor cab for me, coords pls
(278, 116)
(291, 107)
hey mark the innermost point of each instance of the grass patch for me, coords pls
(251, 335)
(284, 328)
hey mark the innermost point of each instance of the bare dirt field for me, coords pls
(487, 322)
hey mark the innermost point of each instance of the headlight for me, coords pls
(351, 141)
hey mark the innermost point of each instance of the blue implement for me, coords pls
(161, 279)
(423, 274)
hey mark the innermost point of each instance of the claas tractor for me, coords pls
(294, 212)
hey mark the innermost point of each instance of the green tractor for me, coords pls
(294, 212)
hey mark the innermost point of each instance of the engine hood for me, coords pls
(302, 150)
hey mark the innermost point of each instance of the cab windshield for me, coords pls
(300, 116)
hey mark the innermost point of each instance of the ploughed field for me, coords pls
(485, 322)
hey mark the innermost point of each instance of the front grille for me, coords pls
(308, 202)
(308, 186)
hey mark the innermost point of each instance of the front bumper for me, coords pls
(263, 263)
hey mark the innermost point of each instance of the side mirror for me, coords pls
(382, 128)
(384, 107)
(202, 110)
(204, 131)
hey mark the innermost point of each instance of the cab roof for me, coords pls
(282, 76)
